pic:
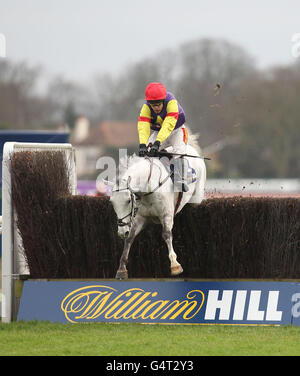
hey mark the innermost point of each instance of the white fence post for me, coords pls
(7, 236)
(13, 260)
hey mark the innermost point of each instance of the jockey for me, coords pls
(161, 123)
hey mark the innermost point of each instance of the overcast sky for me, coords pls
(79, 38)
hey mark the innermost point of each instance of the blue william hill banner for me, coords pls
(163, 302)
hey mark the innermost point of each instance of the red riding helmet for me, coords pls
(155, 92)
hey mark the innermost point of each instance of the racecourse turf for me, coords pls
(132, 339)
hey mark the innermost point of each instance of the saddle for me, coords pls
(191, 175)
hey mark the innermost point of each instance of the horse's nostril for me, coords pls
(126, 234)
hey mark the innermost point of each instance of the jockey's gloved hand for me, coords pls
(142, 150)
(154, 149)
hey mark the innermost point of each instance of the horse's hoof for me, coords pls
(176, 270)
(122, 274)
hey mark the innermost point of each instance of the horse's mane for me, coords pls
(128, 161)
(124, 164)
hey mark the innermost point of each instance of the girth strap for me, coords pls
(178, 202)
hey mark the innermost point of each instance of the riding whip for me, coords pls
(166, 154)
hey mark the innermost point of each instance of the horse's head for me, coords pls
(124, 203)
(125, 192)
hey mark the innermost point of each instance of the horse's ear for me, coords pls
(109, 183)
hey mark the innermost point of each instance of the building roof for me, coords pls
(112, 134)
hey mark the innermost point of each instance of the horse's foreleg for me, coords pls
(122, 271)
(134, 231)
(167, 235)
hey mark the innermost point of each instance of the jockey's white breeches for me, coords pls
(178, 139)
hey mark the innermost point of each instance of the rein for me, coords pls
(160, 183)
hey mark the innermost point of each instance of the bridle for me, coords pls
(133, 210)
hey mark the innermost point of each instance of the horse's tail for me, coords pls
(193, 140)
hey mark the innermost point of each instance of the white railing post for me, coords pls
(7, 236)
(13, 260)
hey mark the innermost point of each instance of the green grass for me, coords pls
(45, 338)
